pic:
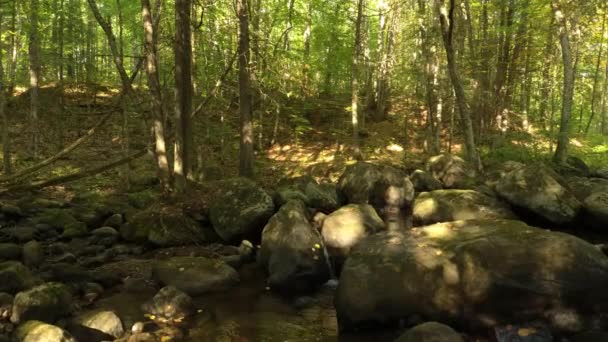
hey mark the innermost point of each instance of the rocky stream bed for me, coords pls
(388, 253)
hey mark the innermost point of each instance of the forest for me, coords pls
(310, 170)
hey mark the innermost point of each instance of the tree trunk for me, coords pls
(596, 74)
(446, 19)
(604, 127)
(159, 118)
(546, 76)
(182, 164)
(561, 151)
(355, 82)
(15, 39)
(6, 140)
(246, 143)
(107, 29)
(34, 46)
(306, 58)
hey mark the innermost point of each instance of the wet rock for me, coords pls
(430, 332)
(91, 291)
(169, 306)
(36, 331)
(68, 258)
(424, 181)
(104, 321)
(82, 333)
(114, 221)
(454, 205)
(522, 333)
(541, 192)
(142, 337)
(292, 251)
(195, 275)
(451, 270)
(241, 210)
(10, 251)
(15, 277)
(452, 171)
(346, 226)
(47, 302)
(33, 254)
(6, 306)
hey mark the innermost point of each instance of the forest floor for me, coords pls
(311, 138)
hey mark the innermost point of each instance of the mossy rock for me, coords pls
(75, 230)
(57, 218)
(14, 277)
(142, 199)
(164, 226)
(47, 302)
(37, 331)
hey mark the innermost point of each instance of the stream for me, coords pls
(251, 313)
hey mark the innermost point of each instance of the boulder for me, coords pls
(36, 331)
(240, 210)
(386, 188)
(453, 205)
(424, 181)
(583, 187)
(195, 275)
(15, 277)
(56, 217)
(540, 192)
(430, 332)
(47, 302)
(114, 221)
(106, 322)
(75, 230)
(10, 251)
(33, 254)
(476, 273)
(169, 305)
(319, 196)
(600, 173)
(292, 251)
(164, 226)
(346, 226)
(596, 206)
(452, 171)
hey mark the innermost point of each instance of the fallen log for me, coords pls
(21, 187)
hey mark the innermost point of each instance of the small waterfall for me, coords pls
(332, 274)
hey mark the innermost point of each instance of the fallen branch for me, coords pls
(74, 176)
(61, 153)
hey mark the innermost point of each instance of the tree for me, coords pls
(246, 144)
(561, 151)
(6, 140)
(34, 46)
(182, 164)
(158, 114)
(355, 82)
(446, 20)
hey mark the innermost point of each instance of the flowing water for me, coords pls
(250, 313)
